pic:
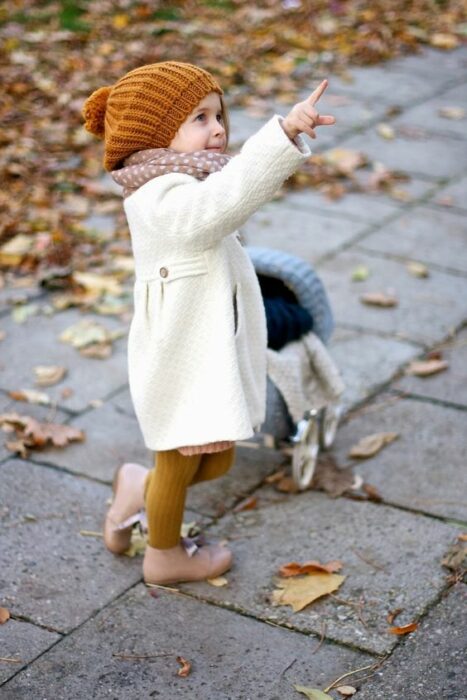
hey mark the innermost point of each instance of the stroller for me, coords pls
(304, 386)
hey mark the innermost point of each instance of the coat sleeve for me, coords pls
(204, 212)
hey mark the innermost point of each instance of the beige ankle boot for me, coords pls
(128, 500)
(185, 562)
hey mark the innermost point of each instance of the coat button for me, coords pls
(164, 272)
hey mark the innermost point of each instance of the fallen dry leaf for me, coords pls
(331, 478)
(425, 368)
(346, 690)
(17, 447)
(381, 299)
(462, 537)
(4, 615)
(287, 485)
(312, 693)
(443, 40)
(360, 273)
(48, 375)
(247, 504)
(36, 434)
(371, 445)
(186, 667)
(300, 592)
(30, 396)
(274, 478)
(372, 493)
(456, 557)
(392, 614)
(385, 131)
(405, 629)
(418, 269)
(98, 351)
(456, 113)
(295, 569)
(345, 160)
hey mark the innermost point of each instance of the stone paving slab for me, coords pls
(312, 526)
(433, 237)
(390, 83)
(233, 657)
(23, 641)
(307, 234)
(431, 664)
(112, 437)
(437, 65)
(424, 469)
(433, 157)
(85, 376)
(429, 309)
(49, 572)
(450, 385)
(367, 361)
(427, 117)
(358, 206)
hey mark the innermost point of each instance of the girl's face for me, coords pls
(203, 129)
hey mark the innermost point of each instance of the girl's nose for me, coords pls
(218, 129)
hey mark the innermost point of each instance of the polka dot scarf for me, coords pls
(143, 166)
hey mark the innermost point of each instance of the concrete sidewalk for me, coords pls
(80, 616)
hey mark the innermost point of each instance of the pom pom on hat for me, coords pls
(94, 111)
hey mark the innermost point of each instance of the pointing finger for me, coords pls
(316, 94)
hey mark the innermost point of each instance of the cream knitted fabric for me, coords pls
(197, 343)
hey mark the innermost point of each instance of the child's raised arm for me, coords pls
(304, 117)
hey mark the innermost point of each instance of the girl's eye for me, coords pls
(219, 118)
(200, 117)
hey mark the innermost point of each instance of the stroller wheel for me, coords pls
(329, 420)
(305, 453)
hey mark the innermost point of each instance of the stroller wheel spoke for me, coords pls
(306, 451)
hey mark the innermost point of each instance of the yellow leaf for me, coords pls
(385, 131)
(452, 112)
(120, 21)
(371, 445)
(442, 40)
(4, 615)
(417, 269)
(98, 283)
(12, 252)
(300, 592)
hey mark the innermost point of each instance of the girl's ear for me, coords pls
(226, 120)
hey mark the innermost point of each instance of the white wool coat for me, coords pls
(197, 341)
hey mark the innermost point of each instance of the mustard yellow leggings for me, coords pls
(166, 486)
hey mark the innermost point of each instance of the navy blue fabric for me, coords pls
(286, 320)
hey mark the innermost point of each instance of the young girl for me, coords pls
(197, 343)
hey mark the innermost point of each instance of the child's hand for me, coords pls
(304, 118)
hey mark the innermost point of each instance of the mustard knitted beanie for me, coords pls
(145, 108)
